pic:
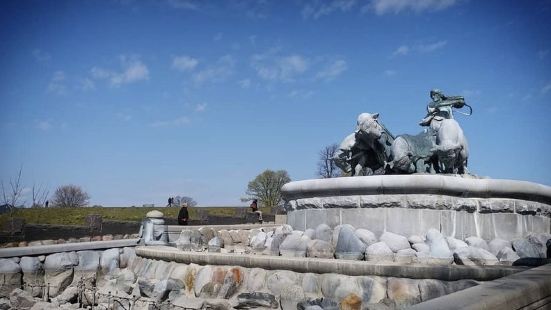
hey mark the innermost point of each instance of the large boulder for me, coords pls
(394, 241)
(256, 280)
(226, 237)
(310, 233)
(405, 256)
(403, 291)
(415, 239)
(20, 299)
(379, 252)
(497, 244)
(109, 260)
(507, 255)
(215, 244)
(320, 249)
(87, 268)
(421, 247)
(478, 242)
(207, 233)
(127, 257)
(366, 236)
(256, 300)
(438, 245)
(58, 271)
(290, 296)
(11, 276)
(294, 245)
(258, 241)
(323, 232)
(430, 289)
(33, 275)
(349, 246)
(204, 277)
(124, 280)
(373, 288)
(454, 243)
(311, 285)
(232, 282)
(474, 256)
(533, 245)
(280, 279)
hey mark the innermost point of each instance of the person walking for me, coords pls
(254, 207)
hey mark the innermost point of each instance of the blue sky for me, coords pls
(139, 100)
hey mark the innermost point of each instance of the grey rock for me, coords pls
(69, 295)
(319, 303)
(186, 302)
(438, 245)
(454, 243)
(403, 291)
(256, 300)
(533, 245)
(336, 233)
(215, 245)
(256, 280)
(204, 276)
(276, 243)
(430, 289)
(87, 268)
(455, 286)
(415, 239)
(33, 275)
(474, 256)
(290, 296)
(109, 260)
(226, 237)
(4, 304)
(294, 245)
(379, 252)
(323, 232)
(349, 246)
(258, 241)
(11, 276)
(127, 257)
(310, 233)
(280, 279)
(329, 283)
(58, 271)
(477, 242)
(507, 254)
(497, 244)
(283, 230)
(394, 241)
(366, 236)
(207, 233)
(124, 281)
(421, 247)
(405, 256)
(373, 289)
(310, 284)
(320, 249)
(232, 282)
(20, 299)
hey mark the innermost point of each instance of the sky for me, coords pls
(136, 101)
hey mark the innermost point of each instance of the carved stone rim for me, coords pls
(418, 184)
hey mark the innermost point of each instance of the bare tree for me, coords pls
(190, 202)
(70, 196)
(11, 196)
(266, 187)
(39, 195)
(326, 164)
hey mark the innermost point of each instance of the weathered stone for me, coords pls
(317, 304)
(320, 249)
(455, 286)
(454, 243)
(405, 256)
(20, 299)
(349, 246)
(379, 252)
(347, 287)
(335, 234)
(329, 283)
(256, 280)
(127, 257)
(215, 244)
(11, 276)
(403, 291)
(258, 241)
(430, 289)
(310, 284)
(58, 271)
(184, 240)
(477, 242)
(415, 239)
(204, 276)
(87, 268)
(474, 256)
(154, 214)
(497, 244)
(366, 236)
(69, 295)
(373, 288)
(232, 281)
(280, 279)
(421, 247)
(290, 296)
(507, 254)
(351, 302)
(438, 245)
(394, 241)
(109, 260)
(226, 237)
(33, 275)
(207, 233)
(323, 232)
(256, 300)
(276, 243)
(294, 245)
(310, 233)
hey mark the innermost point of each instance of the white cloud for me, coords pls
(41, 56)
(133, 70)
(219, 71)
(332, 70)
(200, 107)
(43, 125)
(274, 67)
(178, 122)
(471, 93)
(545, 89)
(402, 50)
(245, 83)
(87, 84)
(389, 73)
(316, 9)
(184, 63)
(301, 93)
(382, 7)
(57, 83)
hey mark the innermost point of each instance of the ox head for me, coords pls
(368, 126)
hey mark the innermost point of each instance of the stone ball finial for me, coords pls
(154, 214)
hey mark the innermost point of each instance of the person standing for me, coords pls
(254, 208)
(183, 215)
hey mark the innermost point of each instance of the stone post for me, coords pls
(153, 229)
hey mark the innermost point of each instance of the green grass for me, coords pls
(76, 216)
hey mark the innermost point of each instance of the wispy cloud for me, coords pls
(133, 70)
(44, 125)
(124, 117)
(184, 63)
(219, 71)
(546, 88)
(389, 73)
(200, 107)
(245, 83)
(275, 67)
(301, 94)
(41, 56)
(57, 83)
(316, 9)
(332, 70)
(177, 122)
(86, 84)
(382, 7)
(421, 48)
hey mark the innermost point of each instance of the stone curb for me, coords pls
(66, 247)
(319, 265)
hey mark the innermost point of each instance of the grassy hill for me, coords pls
(75, 216)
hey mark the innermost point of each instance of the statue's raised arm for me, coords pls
(442, 105)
